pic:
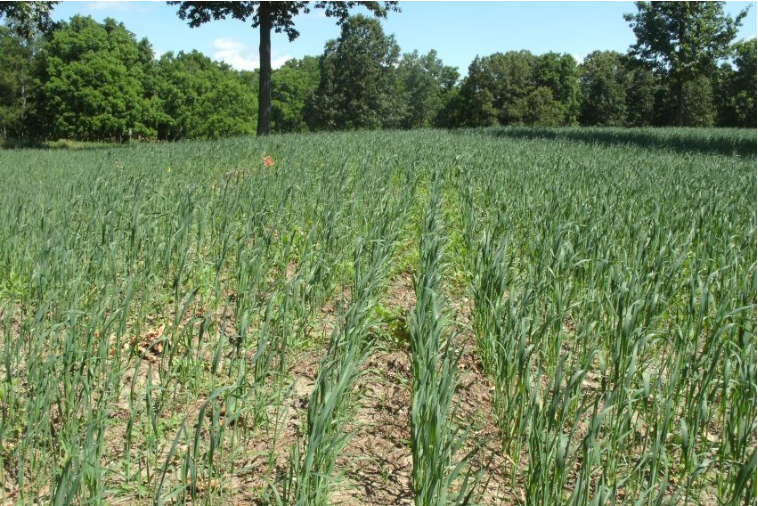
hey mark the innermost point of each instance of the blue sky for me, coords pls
(459, 31)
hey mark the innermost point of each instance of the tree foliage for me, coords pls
(736, 86)
(641, 95)
(95, 81)
(357, 89)
(604, 82)
(267, 16)
(505, 89)
(28, 18)
(202, 98)
(293, 86)
(92, 82)
(683, 40)
(539, 108)
(15, 84)
(699, 106)
(559, 73)
(27, 26)
(495, 87)
(426, 84)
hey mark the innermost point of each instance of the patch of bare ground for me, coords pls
(142, 362)
(329, 315)
(263, 458)
(265, 454)
(474, 403)
(377, 461)
(400, 293)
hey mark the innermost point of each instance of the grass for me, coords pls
(155, 301)
(436, 438)
(723, 141)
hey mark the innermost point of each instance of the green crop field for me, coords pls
(502, 316)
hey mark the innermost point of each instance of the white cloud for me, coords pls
(241, 56)
(578, 59)
(278, 62)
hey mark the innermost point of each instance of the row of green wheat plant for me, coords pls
(311, 477)
(437, 438)
(237, 404)
(214, 368)
(625, 403)
(68, 351)
(634, 261)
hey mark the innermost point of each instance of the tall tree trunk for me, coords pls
(680, 101)
(264, 91)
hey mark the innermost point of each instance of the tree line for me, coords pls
(86, 80)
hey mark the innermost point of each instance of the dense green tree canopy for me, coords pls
(202, 98)
(27, 25)
(641, 95)
(26, 18)
(357, 86)
(699, 106)
(267, 16)
(683, 39)
(426, 83)
(559, 73)
(604, 80)
(293, 86)
(15, 83)
(93, 77)
(737, 86)
(495, 87)
(519, 88)
(95, 81)
(539, 108)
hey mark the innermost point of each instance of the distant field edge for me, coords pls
(741, 142)
(723, 141)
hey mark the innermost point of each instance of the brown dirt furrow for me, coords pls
(377, 461)
(474, 406)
